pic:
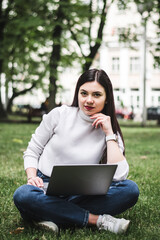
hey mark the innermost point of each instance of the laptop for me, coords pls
(80, 179)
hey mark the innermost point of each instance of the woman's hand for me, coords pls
(104, 122)
(32, 178)
(35, 181)
(114, 154)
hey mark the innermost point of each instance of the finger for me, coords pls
(40, 182)
(31, 182)
(97, 119)
(36, 181)
(98, 122)
(96, 115)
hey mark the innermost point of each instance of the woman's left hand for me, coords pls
(104, 122)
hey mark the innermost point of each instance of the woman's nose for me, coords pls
(90, 100)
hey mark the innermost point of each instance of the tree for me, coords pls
(156, 53)
(93, 43)
(4, 16)
(56, 53)
(27, 28)
(21, 61)
(39, 40)
(76, 21)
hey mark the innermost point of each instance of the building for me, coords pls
(124, 62)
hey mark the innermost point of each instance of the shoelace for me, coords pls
(107, 225)
(109, 220)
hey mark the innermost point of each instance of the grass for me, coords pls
(143, 154)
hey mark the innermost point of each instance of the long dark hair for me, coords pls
(102, 78)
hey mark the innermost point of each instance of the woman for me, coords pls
(87, 132)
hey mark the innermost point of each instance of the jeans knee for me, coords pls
(133, 191)
(18, 195)
(22, 195)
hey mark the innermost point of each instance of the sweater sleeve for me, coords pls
(40, 138)
(122, 171)
(123, 167)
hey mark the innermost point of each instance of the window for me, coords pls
(134, 65)
(135, 97)
(152, 100)
(134, 89)
(115, 64)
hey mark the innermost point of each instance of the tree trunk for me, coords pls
(16, 94)
(3, 21)
(55, 56)
(3, 113)
(94, 49)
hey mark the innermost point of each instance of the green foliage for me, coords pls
(123, 4)
(38, 38)
(21, 40)
(130, 34)
(142, 153)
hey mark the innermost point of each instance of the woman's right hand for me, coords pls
(32, 178)
(35, 181)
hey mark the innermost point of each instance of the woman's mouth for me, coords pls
(88, 108)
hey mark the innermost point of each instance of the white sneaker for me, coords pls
(48, 225)
(115, 225)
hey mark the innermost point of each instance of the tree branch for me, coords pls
(75, 39)
(94, 49)
(90, 20)
(24, 91)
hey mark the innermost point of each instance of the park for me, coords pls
(42, 47)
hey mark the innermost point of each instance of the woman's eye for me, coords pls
(83, 93)
(97, 94)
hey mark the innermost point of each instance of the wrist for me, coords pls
(31, 177)
(111, 137)
(108, 133)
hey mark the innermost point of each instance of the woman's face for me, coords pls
(91, 98)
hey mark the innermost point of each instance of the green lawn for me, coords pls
(143, 154)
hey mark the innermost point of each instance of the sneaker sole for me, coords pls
(124, 226)
(46, 225)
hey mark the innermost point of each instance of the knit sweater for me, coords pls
(66, 136)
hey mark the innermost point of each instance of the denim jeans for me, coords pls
(34, 205)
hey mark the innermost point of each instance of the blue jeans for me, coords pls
(33, 204)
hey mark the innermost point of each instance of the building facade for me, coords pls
(124, 62)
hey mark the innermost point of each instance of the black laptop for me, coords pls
(80, 179)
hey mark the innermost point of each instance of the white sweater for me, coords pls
(66, 136)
